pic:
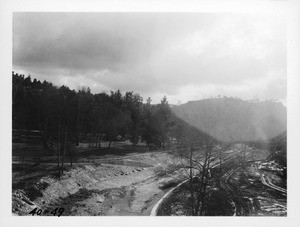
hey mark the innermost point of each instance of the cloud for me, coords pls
(175, 54)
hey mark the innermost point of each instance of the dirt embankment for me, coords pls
(96, 189)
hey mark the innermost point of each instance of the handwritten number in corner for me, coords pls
(59, 211)
(36, 211)
(56, 211)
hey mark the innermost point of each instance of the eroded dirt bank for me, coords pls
(97, 189)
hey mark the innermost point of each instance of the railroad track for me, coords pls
(167, 194)
(266, 181)
(229, 190)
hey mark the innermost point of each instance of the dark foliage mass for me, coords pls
(63, 118)
(62, 114)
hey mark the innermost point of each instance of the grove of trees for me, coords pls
(65, 117)
(59, 110)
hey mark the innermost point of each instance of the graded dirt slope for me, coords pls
(97, 189)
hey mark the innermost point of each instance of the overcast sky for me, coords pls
(185, 56)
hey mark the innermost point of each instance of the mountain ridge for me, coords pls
(234, 119)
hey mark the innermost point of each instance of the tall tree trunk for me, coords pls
(45, 134)
(24, 153)
(58, 152)
(191, 163)
(192, 192)
(192, 187)
(202, 199)
(77, 137)
(65, 149)
(71, 156)
(77, 124)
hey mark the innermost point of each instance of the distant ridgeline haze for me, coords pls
(232, 119)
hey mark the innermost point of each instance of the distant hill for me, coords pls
(232, 119)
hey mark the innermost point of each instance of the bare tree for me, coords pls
(199, 152)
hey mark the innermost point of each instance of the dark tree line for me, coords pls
(68, 116)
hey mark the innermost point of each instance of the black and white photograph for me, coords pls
(149, 113)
